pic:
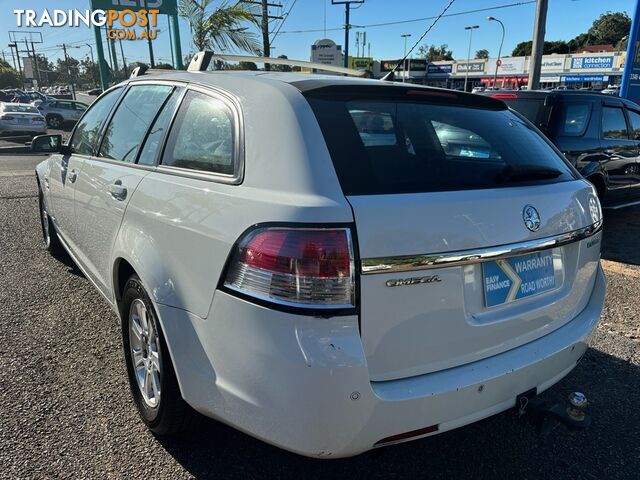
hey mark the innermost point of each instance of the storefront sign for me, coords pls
(585, 78)
(444, 68)
(168, 7)
(631, 77)
(552, 64)
(361, 63)
(508, 66)
(472, 67)
(417, 65)
(591, 63)
(326, 52)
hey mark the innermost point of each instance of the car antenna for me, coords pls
(390, 77)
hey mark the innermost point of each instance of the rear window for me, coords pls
(20, 109)
(533, 109)
(386, 147)
(575, 118)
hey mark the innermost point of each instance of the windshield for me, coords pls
(14, 108)
(384, 147)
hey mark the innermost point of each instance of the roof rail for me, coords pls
(201, 61)
(144, 70)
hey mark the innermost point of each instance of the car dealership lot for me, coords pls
(66, 408)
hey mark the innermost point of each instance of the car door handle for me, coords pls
(72, 176)
(117, 191)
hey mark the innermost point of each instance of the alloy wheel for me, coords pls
(145, 353)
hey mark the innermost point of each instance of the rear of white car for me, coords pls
(335, 264)
(463, 272)
(17, 119)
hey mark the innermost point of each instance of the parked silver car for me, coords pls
(58, 112)
(328, 264)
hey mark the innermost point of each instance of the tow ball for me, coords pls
(544, 417)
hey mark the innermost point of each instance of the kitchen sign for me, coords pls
(592, 63)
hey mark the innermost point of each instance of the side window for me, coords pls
(86, 133)
(576, 118)
(129, 125)
(156, 134)
(635, 124)
(203, 136)
(613, 123)
(65, 105)
(80, 107)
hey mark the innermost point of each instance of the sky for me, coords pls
(565, 19)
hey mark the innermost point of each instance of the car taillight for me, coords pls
(7, 117)
(312, 268)
(38, 119)
(505, 96)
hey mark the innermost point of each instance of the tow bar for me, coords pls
(544, 417)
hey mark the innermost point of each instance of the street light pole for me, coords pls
(92, 61)
(404, 63)
(495, 76)
(471, 28)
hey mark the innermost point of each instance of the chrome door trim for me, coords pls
(428, 261)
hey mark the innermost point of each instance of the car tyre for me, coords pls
(49, 236)
(153, 382)
(54, 121)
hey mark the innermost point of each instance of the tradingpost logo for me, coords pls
(120, 24)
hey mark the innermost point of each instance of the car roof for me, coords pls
(240, 82)
(541, 94)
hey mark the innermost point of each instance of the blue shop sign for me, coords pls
(584, 78)
(591, 63)
(445, 68)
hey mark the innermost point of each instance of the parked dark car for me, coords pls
(599, 134)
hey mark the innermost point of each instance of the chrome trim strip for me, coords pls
(410, 263)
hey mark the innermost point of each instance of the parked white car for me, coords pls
(328, 264)
(21, 120)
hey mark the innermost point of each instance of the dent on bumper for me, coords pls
(301, 383)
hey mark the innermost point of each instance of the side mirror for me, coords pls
(48, 144)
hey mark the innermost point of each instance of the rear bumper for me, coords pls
(302, 383)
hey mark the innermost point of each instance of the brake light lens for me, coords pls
(38, 120)
(312, 268)
(511, 96)
(7, 117)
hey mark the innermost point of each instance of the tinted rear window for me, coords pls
(386, 147)
(533, 109)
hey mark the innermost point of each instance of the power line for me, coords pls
(284, 19)
(414, 20)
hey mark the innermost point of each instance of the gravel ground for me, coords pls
(65, 409)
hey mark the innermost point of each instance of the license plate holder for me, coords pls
(511, 279)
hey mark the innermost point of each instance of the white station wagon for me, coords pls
(326, 263)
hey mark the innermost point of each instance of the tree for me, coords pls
(248, 66)
(164, 66)
(8, 76)
(609, 28)
(281, 68)
(432, 53)
(220, 29)
(484, 53)
(556, 46)
(67, 71)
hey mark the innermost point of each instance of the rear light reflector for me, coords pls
(505, 95)
(407, 435)
(312, 268)
(38, 120)
(7, 117)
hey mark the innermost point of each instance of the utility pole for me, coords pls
(35, 64)
(495, 76)
(93, 62)
(347, 25)
(152, 61)
(124, 60)
(266, 47)
(471, 28)
(404, 64)
(112, 43)
(66, 61)
(12, 46)
(535, 63)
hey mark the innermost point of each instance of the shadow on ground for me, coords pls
(622, 235)
(498, 447)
